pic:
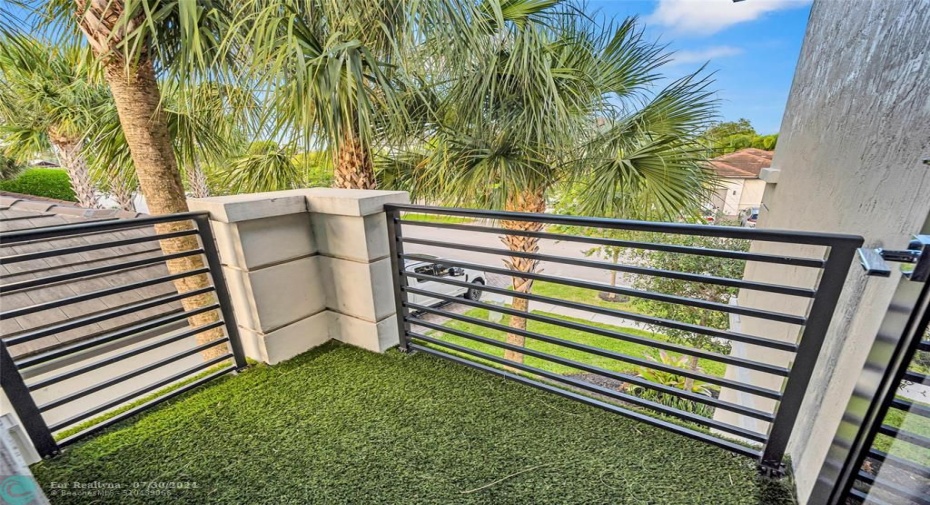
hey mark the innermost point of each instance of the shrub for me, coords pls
(44, 182)
(672, 380)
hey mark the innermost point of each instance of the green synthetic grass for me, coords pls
(342, 425)
(580, 295)
(77, 428)
(635, 350)
(909, 422)
(436, 218)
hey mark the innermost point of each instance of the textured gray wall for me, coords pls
(853, 138)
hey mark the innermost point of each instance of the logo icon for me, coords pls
(17, 490)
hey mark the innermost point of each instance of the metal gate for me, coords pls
(95, 330)
(589, 350)
(881, 452)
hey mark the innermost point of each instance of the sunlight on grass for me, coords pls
(608, 343)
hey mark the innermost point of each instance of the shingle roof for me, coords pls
(21, 212)
(742, 164)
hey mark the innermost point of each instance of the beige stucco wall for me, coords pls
(751, 195)
(851, 150)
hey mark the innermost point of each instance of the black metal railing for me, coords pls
(95, 330)
(430, 323)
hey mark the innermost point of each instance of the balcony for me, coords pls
(317, 288)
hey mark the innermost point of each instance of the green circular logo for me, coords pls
(17, 490)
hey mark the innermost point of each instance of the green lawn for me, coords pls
(620, 346)
(910, 422)
(580, 295)
(343, 425)
(436, 218)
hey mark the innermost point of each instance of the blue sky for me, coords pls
(753, 47)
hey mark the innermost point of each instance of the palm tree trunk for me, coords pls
(123, 191)
(354, 168)
(524, 201)
(71, 158)
(614, 257)
(197, 180)
(137, 99)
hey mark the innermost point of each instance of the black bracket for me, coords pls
(875, 261)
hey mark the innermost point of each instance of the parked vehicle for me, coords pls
(748, 217)
(431, 265)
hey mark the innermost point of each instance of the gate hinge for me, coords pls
(875, 261)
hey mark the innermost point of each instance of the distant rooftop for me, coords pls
(24, 212)
(742, 164)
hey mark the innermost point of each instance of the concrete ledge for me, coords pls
(362, 290)
(235, 208)
(375, 337)
(288, 341)
(362, 239)
(280, 294)
(250, 245)
(352, 202)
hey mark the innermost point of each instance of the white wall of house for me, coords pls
(851, 153)
(737, 194)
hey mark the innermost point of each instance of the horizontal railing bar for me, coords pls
(633, 316)
(145, 406)
(923, 345)
(95, 227)
(618, 335)
(111, 336)
(44, 281)
(893, 488)
(659, 423)
(739, 386)
(649, 246)
(904, 435)
(622, 377)
(16, 258)
(580, 384)
(135, 394)
(667, 274)
(650, 295)
(911, 407)
(124, 355)
(916, 378)
(100, 293)
(793, 237)
(77, 395)
(865, 498)
(900, 463)
(102, 316)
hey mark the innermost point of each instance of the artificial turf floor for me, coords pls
(343, 425)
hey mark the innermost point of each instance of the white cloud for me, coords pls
(705, 17)
(702, 55)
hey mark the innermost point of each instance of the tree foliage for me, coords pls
(694, 264)
(730, 136)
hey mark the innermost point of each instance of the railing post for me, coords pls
(222, 291)
(818, 321)
(25, 406)
(395, 236)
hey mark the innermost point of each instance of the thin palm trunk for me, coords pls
(525, 201)
(693, 366)
(354, 168)
(123, 191)
(72, 159)
(137, 100)
(197, 180)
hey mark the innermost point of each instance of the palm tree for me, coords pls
(128, 39)
(265, 166)
(328, 69)
(46, 94)
(547, 96)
